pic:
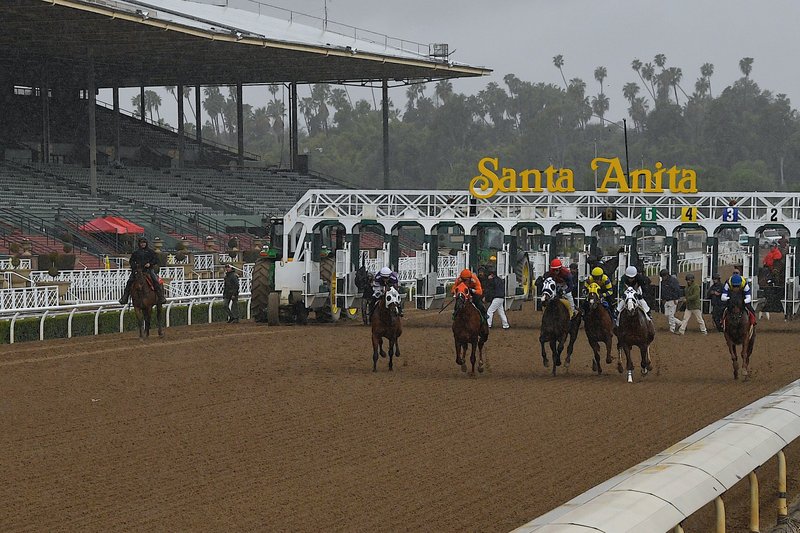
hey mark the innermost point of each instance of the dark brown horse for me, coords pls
(556, 325)
(634, 330)
(468, 329)
(386, 323)
(739, 331)
(144, 298)
(598, 326)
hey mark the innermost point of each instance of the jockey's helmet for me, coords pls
(555, 264)
(631, 271)
(597, 272)
(142, 239)
(385, 272)
(736, 280)
(663, 272)
(466, 274)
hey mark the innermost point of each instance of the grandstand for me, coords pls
(66, 158)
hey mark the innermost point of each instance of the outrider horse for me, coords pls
(144, 297)
(634, 330)
(598, 326)
(386, 323)
(739, 331)
(556, 324)
(468, 329)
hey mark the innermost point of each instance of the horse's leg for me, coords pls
(140, 322)
(747, 350)
(544, 352)
(147, 316)
(596, 356)
(644, 351)
(374, 352)
(619, 357)
(472, 357)
(573, 336)
(734, 359)
(380, 346)
(629, 363)
(556, 346)
(392, 341)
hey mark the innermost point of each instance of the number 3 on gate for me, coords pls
(730, 214)
(688, 214)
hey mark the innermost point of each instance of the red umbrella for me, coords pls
(102, 225)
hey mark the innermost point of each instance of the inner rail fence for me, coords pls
(660, 493)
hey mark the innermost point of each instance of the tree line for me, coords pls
(739, 137)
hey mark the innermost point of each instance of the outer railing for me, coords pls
(203, 262)
(661, 492)
(194, 287)
(88, 285)
(28, 297)
(55, 310)
(24, 264)
(171, 272)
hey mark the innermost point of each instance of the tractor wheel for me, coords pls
(260, 288)
(274, 308)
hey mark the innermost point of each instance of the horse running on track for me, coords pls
(386, 323)
(556, 324)
(468, 329)
(144, 298)
(739, 331)
(598, 326)
(634, 330)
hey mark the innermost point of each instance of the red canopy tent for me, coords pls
(111, 225)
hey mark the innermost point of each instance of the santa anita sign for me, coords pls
(493, 179)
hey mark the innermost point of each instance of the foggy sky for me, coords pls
(522, 36)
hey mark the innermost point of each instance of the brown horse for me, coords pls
(468, 328)
(634, 330)
(739, 331)
(386, 323)
(598, 326)
(556, 324)
(144, 298)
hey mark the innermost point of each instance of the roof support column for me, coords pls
(293, 144)
(92, 128)
(385, 105)
(44, 89)
(240, 123)
(117, 156)
(199, 121)
(181, 144)
(141, 104)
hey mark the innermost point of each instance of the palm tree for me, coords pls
(558, 62)
(746, 66)
(638, 112)
(649, 73)
(213, 104)
(152, 102)
(660, 60)
(702, 86)
(414, 92)
(637, 66)
(599, 106)
(675, 77)
(600, 74)
(707, 70)
(630, 90)
(443, 91)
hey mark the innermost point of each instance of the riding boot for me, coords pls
(162, 299)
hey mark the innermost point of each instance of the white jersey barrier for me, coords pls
(661, 492)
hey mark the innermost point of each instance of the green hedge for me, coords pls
(55, 327)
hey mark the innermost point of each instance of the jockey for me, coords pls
(147, 259)
(738, 281)
(385, 278)
(599, 277)
(470, 281)
(563, 278)
(632, 278)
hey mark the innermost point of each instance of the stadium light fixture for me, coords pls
(144, 14)
(237, 34)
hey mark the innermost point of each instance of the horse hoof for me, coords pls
(463, 367)
(644, 371)
(619, 369)
(480, 369)
(735, 374)
(608, 360)
(546, 363)
(594, 365)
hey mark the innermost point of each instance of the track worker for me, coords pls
(146, 259)
(693, 306)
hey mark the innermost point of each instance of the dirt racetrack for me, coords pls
(250, 427)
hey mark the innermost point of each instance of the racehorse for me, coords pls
(468, 329)
(386, 323)
(556, 324)
(144, 297)
(634, 330)
(738, 331)
(599, 326)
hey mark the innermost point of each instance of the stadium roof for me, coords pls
(171, 42)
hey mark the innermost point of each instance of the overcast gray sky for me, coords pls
(522, 36)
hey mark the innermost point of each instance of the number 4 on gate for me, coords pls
(688, 214)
